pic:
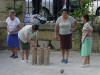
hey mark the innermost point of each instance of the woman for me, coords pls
(86, 40)
(13, 26)
(65, 24)
(26, 34)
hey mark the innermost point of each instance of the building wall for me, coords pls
(3, 11)
(3, 4)
(46, 33)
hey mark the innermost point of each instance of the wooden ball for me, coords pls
(62, 71)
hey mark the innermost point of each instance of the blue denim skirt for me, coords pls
(12, 40)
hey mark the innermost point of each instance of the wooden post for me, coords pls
(46, 56)
(40, 56)
(34, 56)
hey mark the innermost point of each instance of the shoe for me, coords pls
(12, 55)
(15, 57)
(23, 61)
(28, 61)
(85, 65)
(66, 61)
(63, 60)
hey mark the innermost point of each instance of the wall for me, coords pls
(47, 33)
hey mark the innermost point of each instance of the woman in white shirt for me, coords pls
(26, 34)
(13, 26)
(65, 24)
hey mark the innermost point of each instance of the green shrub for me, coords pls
(18, 8)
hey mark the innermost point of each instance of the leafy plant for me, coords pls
(83, 8)
(8, 7)
(18, 8)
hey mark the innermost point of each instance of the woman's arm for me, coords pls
(56, 32)
(26, 37)
(19, 27)
(75, 24)
(74, 27)
(89, 31)
(34, 43)
(8, 29)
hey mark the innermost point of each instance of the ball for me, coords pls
(62, 71)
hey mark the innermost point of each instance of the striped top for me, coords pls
(85, 30)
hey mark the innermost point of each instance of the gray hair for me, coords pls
(12, 11)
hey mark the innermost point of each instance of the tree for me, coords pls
(83, 8)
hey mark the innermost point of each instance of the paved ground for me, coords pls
(9, 66)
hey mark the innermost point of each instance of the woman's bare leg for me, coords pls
(27, 54)
(88, 60)
(22, 54)
(12, 50)
(63, 53)
(16, 51)
(85, 60)
(67, 53)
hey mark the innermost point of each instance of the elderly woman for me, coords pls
(86, 40)
(13, 26)
(65, 24)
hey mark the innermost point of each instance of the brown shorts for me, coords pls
(66, 41)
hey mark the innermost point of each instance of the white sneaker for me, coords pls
(28, 61)
(85, 65)
(23, 61)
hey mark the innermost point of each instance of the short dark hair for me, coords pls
(35, 27)
(64, 10)
(86, 17)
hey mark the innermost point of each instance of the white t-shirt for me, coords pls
(65, 26)
(26, 29)
(12, 24)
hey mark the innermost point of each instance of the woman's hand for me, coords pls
(11, 32)
(34, 46)
(72, 29)
(88, 34)
(56, 32)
